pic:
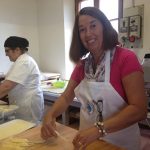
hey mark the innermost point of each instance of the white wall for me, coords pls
(69, 18)
(51, 35)
(47, 24)
(146, 29)
(55, 20)
(18, 17)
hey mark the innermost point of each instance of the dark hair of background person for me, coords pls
(14, 41)
(110, 36)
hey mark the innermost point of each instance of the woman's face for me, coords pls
(12, 54)
(91, 33)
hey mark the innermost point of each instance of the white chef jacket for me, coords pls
(27, 94)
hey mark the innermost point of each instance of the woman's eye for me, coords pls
(93, 25)
(81, 30)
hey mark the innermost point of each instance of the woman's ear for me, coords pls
(18, 50)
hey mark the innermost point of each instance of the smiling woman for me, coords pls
(108, 82)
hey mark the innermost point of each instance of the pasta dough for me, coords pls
(15, 144)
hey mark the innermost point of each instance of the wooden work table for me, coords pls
(60, 143)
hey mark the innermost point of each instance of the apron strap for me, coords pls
(107, 66)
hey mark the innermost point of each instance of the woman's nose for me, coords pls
(88, 32)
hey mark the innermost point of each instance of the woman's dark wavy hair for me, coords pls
(110, 36)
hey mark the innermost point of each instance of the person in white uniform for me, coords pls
(107, 80)
(22, 82)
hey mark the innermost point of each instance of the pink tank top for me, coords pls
(124, 63)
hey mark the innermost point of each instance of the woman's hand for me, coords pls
(85, 137)
(48, 128)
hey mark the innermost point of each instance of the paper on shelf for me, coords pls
(54, 90)
(47, 76)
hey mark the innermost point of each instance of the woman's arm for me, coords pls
(6, 86)
(58, 108)
(136, 109)
(63, 101)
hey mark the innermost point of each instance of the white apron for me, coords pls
(27, 94)
(87, 91)
(29, 101)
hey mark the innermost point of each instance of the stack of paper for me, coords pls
(49, 76)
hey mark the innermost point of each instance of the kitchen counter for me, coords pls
(62, 142)
(51, 97)
(51, 94)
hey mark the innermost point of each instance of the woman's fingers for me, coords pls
(47, 131)
(80, 141)
(44, 132)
